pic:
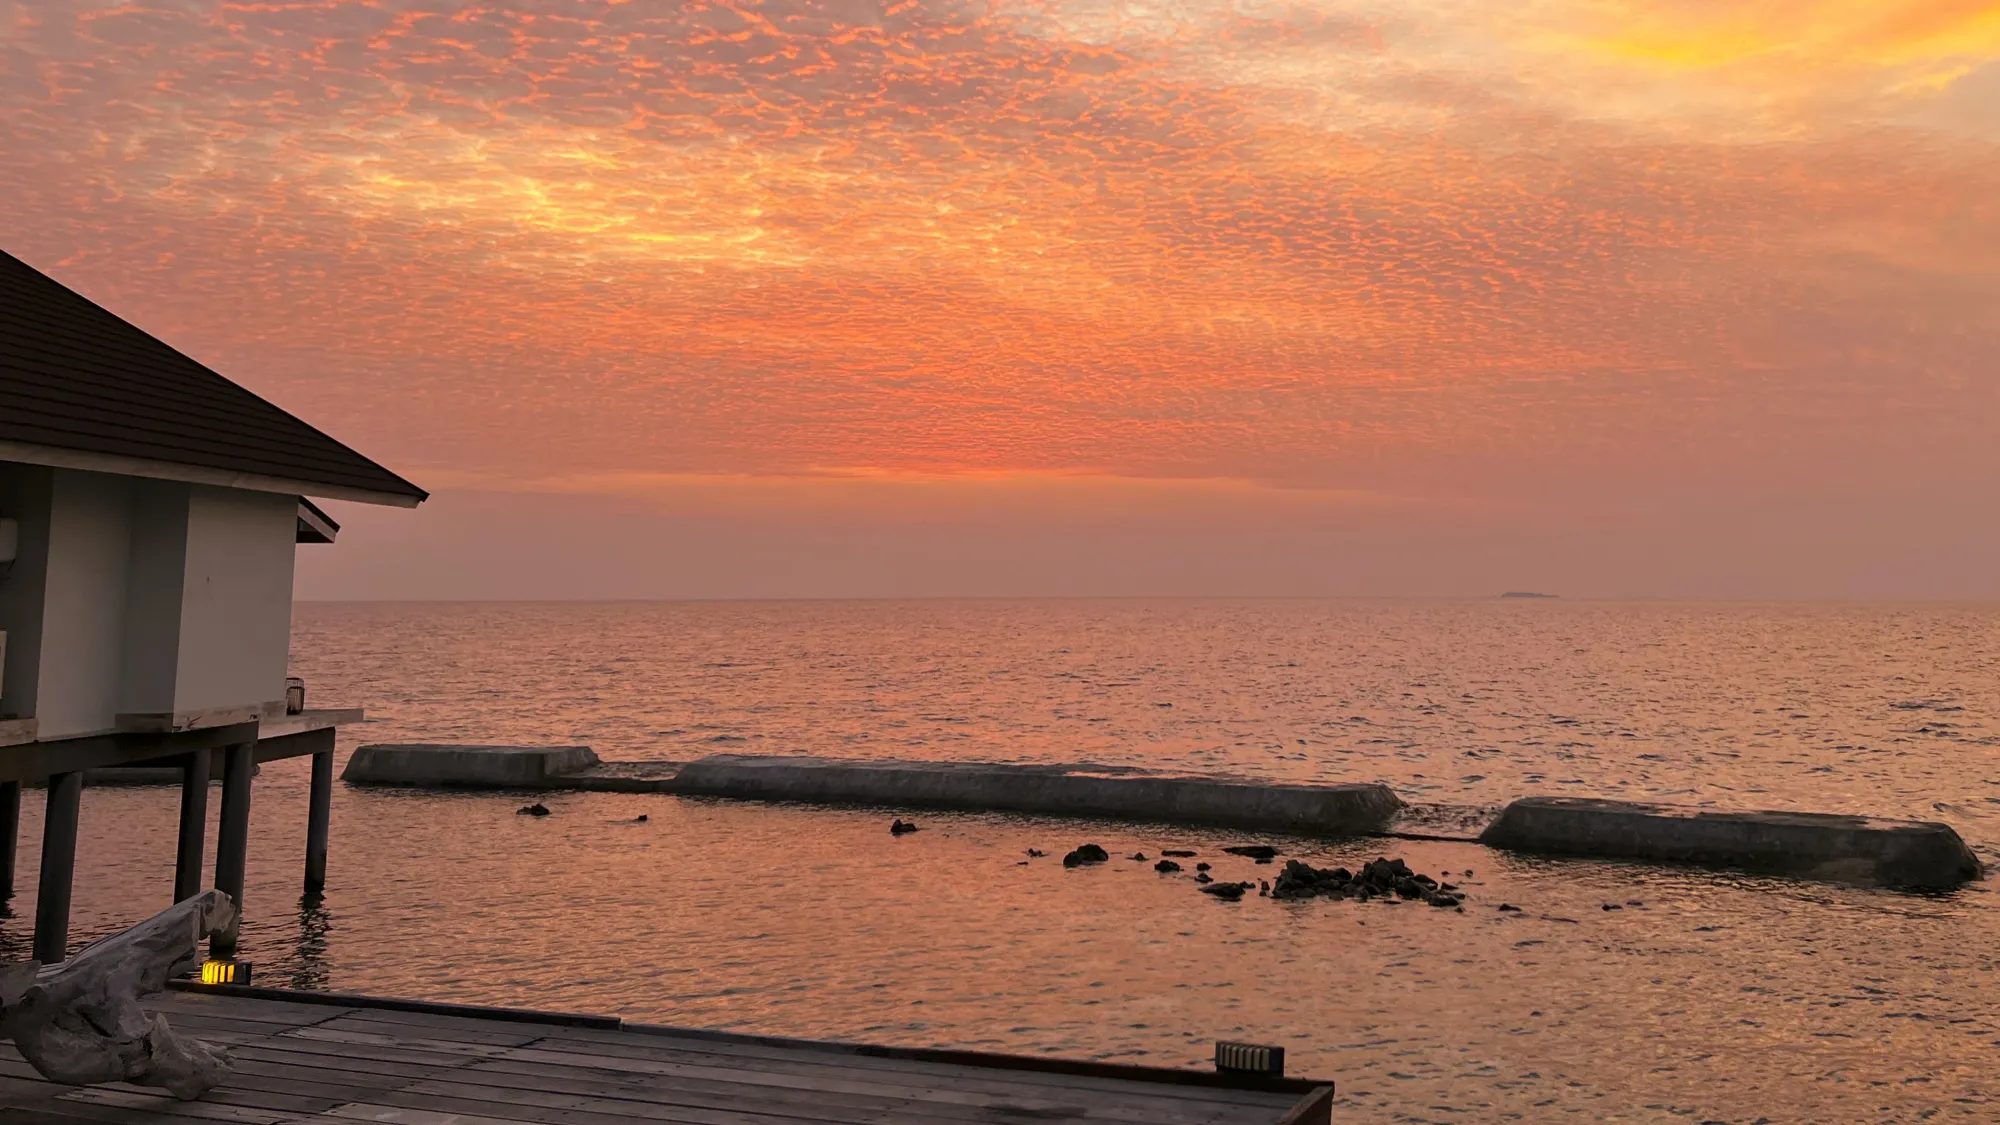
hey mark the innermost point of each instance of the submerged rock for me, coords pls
(1138, 857)
(1087, 853)
(641, 818)
(1036, 853)
(1229, 891)
(1254, 851)
(1204, 877)
(1178, 853)
(1166, 867)
(1201, 867)
(901, 827)
(536, 809)
(1389, 879)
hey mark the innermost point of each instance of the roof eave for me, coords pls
(198, 474)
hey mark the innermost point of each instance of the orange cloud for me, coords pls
(1357, 247)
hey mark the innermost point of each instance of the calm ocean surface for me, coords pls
(1704, 997)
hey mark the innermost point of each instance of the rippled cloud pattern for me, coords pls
(1408, 246)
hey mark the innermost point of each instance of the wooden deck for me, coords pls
(349, 1060)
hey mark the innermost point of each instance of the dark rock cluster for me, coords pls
(536, 809)
(1390, 879)
(901, 827)
(1378, 878)
(1088, 853)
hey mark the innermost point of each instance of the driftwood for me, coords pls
(80, 1022)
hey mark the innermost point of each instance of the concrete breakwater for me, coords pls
(1837, 848)
(1308, 810)
(1848, 849)
(434, 766)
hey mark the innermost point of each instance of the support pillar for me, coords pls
(196, 769)
(232, 839)
(10, 834)
(65, 803)
(318, 819)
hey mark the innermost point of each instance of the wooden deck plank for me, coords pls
(348, 1034)
(58, 1113)
(648, 1044)
(915, 1073)
(35, 1115)
(911, 1073)
(253, 1079)
(393, 1054)
(455, 1028)
(303, 1063)
(780, 1080)
(662, 1105)
(125, 1105)
(533, 1114)
(290, 1012)
(398, 1115)
(369, 1073)
(636, 1100)
(903, 1072)
(288, 1098)
(641, 1091)
(813, 1073)
(966, 1093)
(636, 1041)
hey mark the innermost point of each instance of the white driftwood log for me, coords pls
(80, 1022)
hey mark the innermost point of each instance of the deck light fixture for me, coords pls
(1250, 1058)
(225, 972)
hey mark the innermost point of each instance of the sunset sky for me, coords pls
(1651, 297)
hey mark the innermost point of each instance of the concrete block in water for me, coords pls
(1898, 853)
(1322, 810)
(465, 767)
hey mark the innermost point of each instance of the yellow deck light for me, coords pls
(225, 972)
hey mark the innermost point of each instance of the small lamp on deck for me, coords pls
(225, 972)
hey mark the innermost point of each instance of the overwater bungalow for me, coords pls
(150, 511)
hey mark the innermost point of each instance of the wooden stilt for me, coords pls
(318, 820)
(195, 771)
(232, 839)
(65, 803)
(10, 834)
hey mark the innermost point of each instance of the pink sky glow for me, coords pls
(1652, 297)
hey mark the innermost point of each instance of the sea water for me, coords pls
(1617, 991)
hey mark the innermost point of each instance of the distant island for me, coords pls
(1527, 594)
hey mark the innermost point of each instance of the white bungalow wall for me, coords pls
(236, 604)
(143, 605)
(83, 602)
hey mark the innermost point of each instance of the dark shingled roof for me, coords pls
(75, 377)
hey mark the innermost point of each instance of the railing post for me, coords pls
(196, 769)
(10, 835)
(65, 802)
(232, 839)
(318, 819)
